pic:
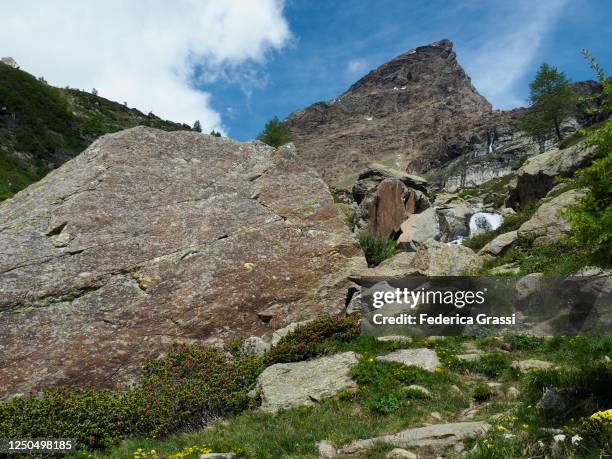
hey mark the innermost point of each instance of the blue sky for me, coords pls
(233, 64)
(500, 44)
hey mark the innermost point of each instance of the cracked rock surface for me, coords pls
(150, 239)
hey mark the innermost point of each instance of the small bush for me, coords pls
(385, 403)
(185, 389)
(377, 249)
(313, 338)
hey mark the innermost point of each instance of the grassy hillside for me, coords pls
(42, 126)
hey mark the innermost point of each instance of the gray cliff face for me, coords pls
(150, 239)
(412, 113)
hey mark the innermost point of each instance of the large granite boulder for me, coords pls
(547, 225)
(286, 385)
(539, 174)
(150, 239)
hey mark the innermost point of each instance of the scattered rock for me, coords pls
(454, 219)
(469, 357)
(285, 385)
(355, 305)
(424, 358)
(326, 449)
(435, 415)
(553, 403)
(399, 453)
(440, 259)
(513, 393)
(281, 332)
(495, 387)
(398, 338)
(531, 364)
(398, 267)
(539, 174)
(420, 228)
(422, 390)
(528, 285)
(431, 259)
(547, 225)
(498, 245)
(454, 388)
(254, 345)
(434, 435)
(508, 268)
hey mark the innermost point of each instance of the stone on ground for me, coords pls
(326, 449)
(531, 364)
(497, 246)
(419, 228)
(254, 345)
(547, 225)
(286, 385)
(400, 453)
(424, 358)
(434, 435)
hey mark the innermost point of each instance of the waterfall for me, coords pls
(482, 222)
(490, 140)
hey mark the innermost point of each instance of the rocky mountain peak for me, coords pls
(412, 66)
(419, 104)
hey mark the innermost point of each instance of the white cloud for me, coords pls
(143, 52)
(356, 66)
(508, 51)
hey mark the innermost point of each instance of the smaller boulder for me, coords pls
(498, 245)
(419, 228)
(399, 453)
(286, 385)
(546, 225)
(424, 358)
(254, 345)
(531, 364)
(326, 449)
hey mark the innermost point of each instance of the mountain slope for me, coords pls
(415, 111)
(42, 126)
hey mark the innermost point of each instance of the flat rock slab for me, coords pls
(424, 358)
(434, 435)
(532, 364)
(151, 239)
(286, 385)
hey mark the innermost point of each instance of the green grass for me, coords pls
(557, 258)
(380, 405)
(51, 124)
(376, 248)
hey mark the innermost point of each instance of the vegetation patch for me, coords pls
(376, 248)
(312, 339)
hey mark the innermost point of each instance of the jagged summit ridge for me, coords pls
(419, 104)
